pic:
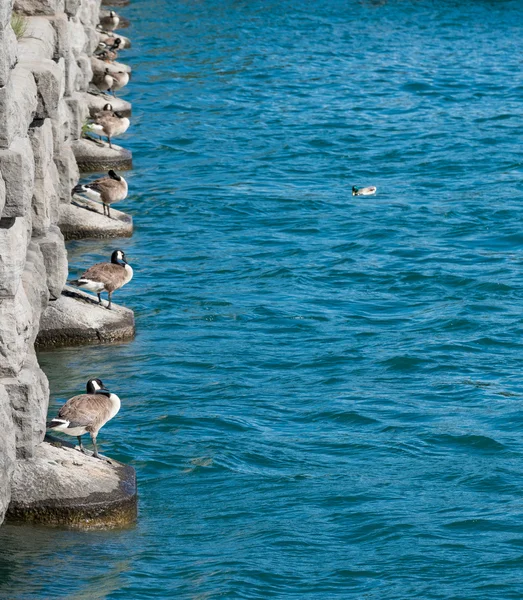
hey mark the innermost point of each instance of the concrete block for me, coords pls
(2, 195)
(6, 9)
(71, 74)
(17, 168)
(89, 13)
(15, 332)
(77, 39)
(61, 126)
(84, 73)
(34, 279)
(39, 7)
(92, 157)
(91, 36)
(8, 52)
(78, 113)
(55, 259)
(29, 398)
(77, 318)
(60, 24)
(72, 7)
(41, 137)
(45, 199)
(83, 218)
(14, 239)
(18, 102)
(39, 40)
(47, 181)
(68, 172)
(7, 451)
(62, 487)
(50, 84)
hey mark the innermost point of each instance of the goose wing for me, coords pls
(99, 185)
(85, 410)
(105, 119)
(105, 272)
(106, 185)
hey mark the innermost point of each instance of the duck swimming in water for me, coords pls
(365, 191)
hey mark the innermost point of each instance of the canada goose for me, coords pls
(365, 191)
(110, 125)
(107, 55)
(120, 80)
(111, 44)
(106, 110)
(109, 189)
(111, 40)
(110, 22)
(103, 81)
(106, 277)
(87, 413)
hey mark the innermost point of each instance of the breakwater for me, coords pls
(46, 69)
(322, 398)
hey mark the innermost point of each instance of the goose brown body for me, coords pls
(120, 80)
(106, 276)
(110, 125)
(112, 276)
(110, 22)
(107, 55)
(109, 189)
(103, 81)
(106, 110)
(87, 413)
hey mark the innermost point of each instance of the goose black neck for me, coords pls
(116, 261)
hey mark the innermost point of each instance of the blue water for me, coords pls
(324, 396)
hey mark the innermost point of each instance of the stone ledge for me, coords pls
(76, 318)
(62, 487)
(96, 102)
(115, 2)
(91, 157)
(85, 219)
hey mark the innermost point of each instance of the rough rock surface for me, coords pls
(43, 80)
(77, 318)
(61, 486)
(92, 157)
(85, 219)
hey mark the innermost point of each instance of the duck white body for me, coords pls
(365, 191)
